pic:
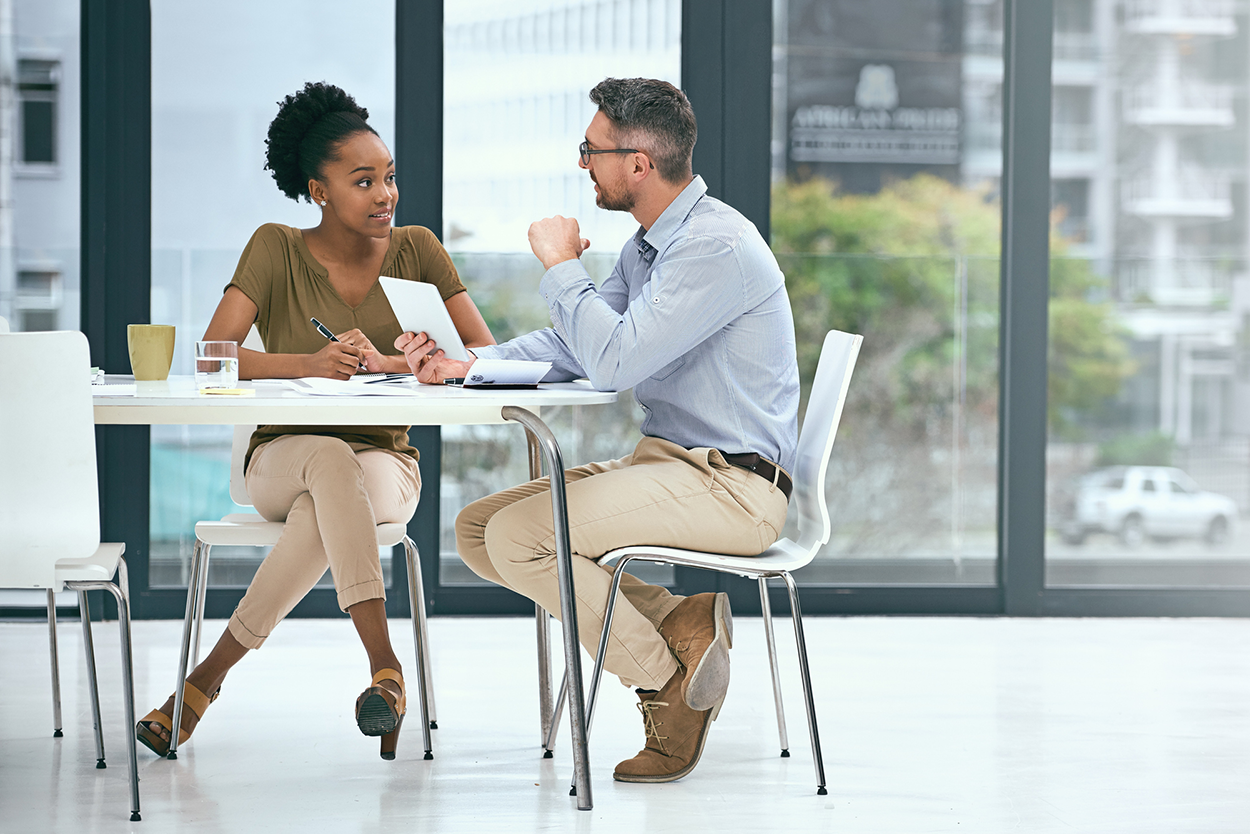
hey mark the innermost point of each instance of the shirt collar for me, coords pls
(670, 220)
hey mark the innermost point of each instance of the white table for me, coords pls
(176, 402)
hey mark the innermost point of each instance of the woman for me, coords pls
(330, 484)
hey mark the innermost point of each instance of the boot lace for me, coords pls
(648, 720)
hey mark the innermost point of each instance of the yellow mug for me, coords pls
(151, 350)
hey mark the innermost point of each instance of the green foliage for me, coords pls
(1153, 449)
(915, 268)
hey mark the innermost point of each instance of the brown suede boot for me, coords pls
(700, 632)
(675, 735)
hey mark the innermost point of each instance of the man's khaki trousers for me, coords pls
(662, 495)
(332, 495)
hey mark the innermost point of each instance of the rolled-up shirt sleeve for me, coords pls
(695, 291)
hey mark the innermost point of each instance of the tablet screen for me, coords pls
(420, 309)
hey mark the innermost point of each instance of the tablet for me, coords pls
(420, 309)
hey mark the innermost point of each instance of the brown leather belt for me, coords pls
(764, 469)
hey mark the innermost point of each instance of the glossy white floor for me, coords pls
(970, 725)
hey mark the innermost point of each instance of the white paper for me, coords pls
(114, 389)
(506, 372)
(318, 386)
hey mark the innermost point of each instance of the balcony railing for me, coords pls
(1191, 193)
(1189, 282)
(1072, 138)
(1198, 17)
(1191, 102)
(1068, 46)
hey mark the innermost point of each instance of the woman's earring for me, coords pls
(323, 202)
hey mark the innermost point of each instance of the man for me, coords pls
(695, 318)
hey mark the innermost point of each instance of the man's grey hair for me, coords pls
(653, 116)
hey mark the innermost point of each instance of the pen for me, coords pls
(325, 331)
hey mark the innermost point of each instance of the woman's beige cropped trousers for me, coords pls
(332, 494)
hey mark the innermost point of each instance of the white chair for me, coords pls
(820, 425)
(4, 325)
(49, 503)
(252, 530)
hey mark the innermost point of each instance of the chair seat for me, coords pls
(783, 555)
(252, 530)
(98, 567)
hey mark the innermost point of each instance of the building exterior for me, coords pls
(39, 165)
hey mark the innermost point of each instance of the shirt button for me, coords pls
(656, 299)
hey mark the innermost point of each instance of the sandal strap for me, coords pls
(163, 721)
(388, 675)
(196, 700)
(157, 717)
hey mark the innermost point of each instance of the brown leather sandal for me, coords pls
(380, 712)
(192, 699)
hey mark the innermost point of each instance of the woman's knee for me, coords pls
(329, 454)
(393, 483)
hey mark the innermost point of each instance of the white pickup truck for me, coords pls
(1140, 502)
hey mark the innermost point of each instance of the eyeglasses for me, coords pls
(585, 151)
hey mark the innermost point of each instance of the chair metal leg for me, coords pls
(796, 615)
(89, 651)
(557, 712)
(198, 638)
(199, 572)
(128, 683)
(547, 711)
(56, 666)
(425, 636)
(767, 610)
(416, 593)
(602, 652)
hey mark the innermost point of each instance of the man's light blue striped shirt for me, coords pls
(695, 318)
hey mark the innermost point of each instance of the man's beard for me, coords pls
(621, 200)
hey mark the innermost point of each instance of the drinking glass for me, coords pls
(216, 365)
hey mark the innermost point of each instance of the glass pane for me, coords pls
(39, 166)
(885, 219)
(526, 70)
(38, 139)
(1148, 463)
(213, 97)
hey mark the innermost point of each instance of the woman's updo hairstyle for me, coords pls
(306, 133)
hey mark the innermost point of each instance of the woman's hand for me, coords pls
(374, 362)
(427, 361)
(337, 360)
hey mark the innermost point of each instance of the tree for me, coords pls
(915, 268)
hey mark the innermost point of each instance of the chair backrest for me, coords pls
(820, 426)
(243, 436)
(49, 500)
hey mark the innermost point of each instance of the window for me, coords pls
(38, 299)
(888, 117)
(526, 69)
(37, 84)
(209, 118)
(1150, 216)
